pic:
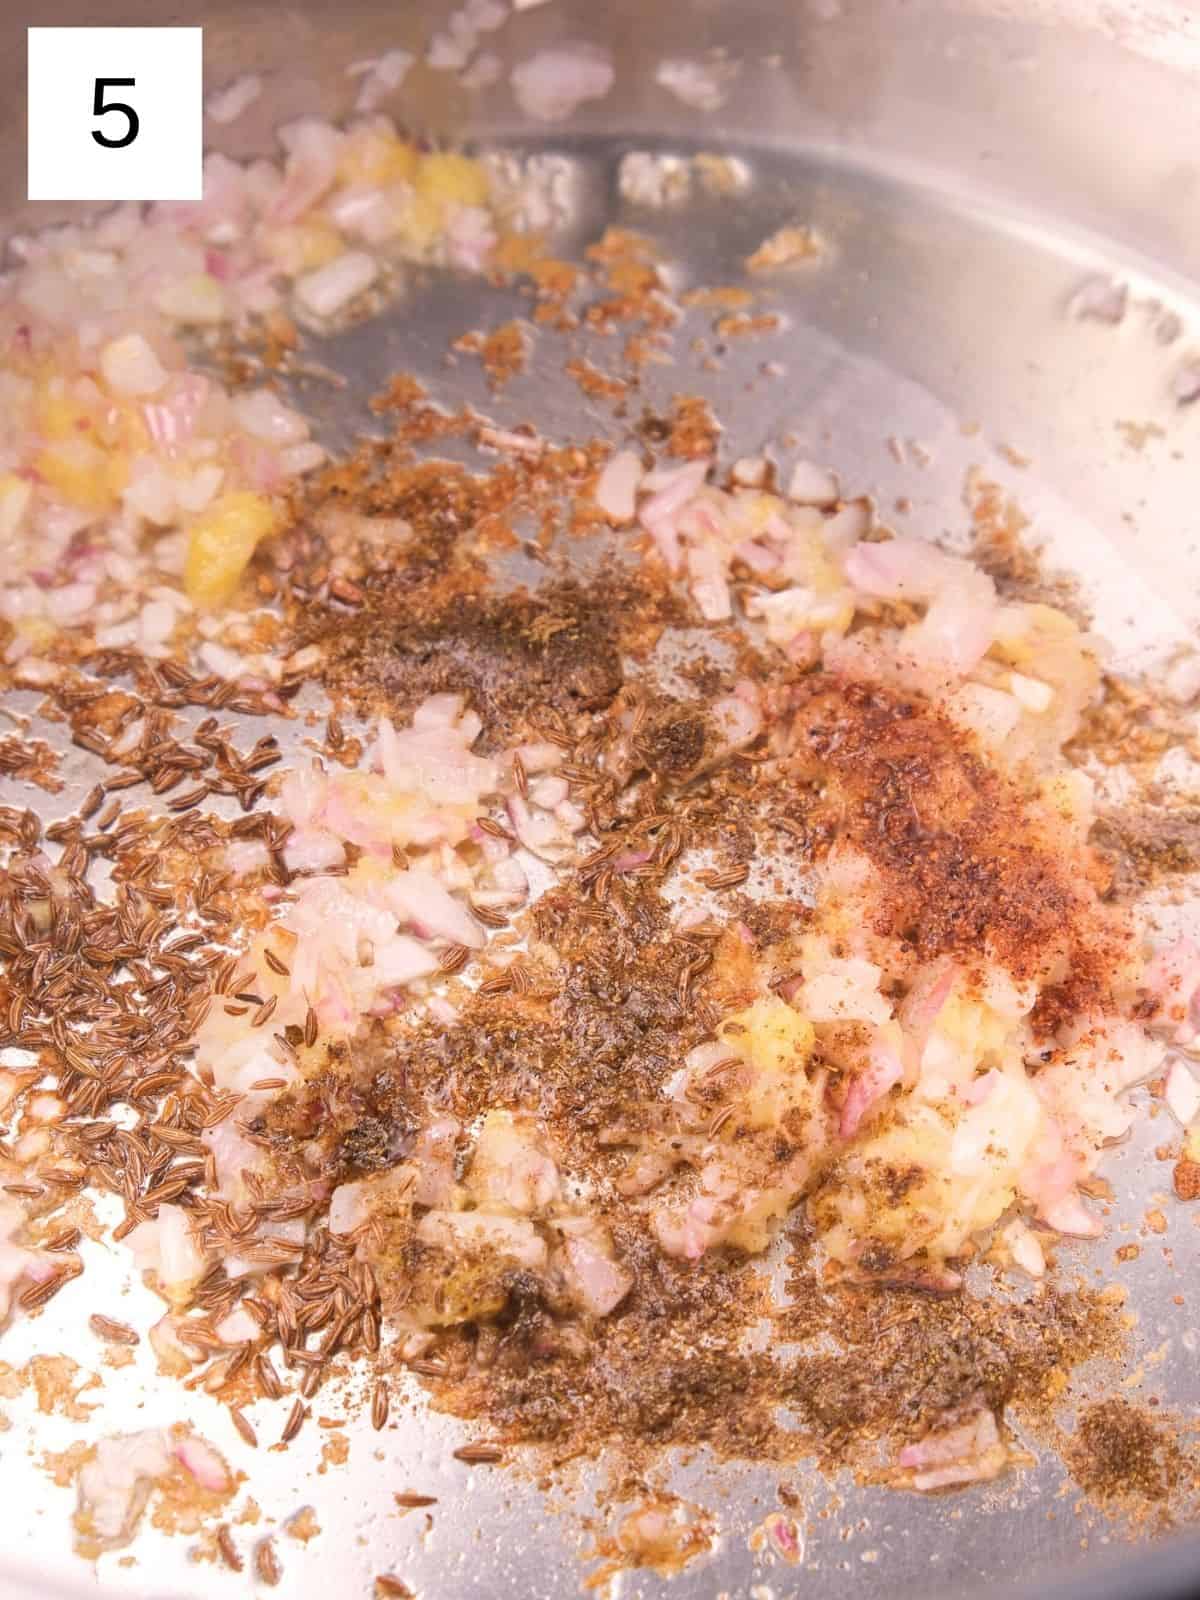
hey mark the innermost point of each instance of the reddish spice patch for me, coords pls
(967, 864)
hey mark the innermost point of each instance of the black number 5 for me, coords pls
(99, 109)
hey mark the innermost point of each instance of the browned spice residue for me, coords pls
(504, 351)
(694, 431)
(663, 1534)
(1118, 1451)
(557, 650)
(1130, 725)
(1144, 844)
(386, 576)
(595, 384)
(740, 326)
(786, 248)
(389, 1588)
(998, 545)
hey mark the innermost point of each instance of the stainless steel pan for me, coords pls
(972, 165)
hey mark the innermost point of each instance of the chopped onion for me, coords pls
(645, 178)
(1025, 1248)
(232, 1151)
(348, 1208)
(750, 471)
(381, 76)
(846, 527)
(810, 485)
(198, 1458)
(228, 104)
(706, 575)
(17, 1264)
(553, 83)
(486, 69)
(1182, 1094)
(508, 1170)
(1172, 978)
(1185, 385)
(434, 1156)
(897, 569)
(1032, 693)
(195, 492)
(313, 850)
(961, 618)
(470, 239)
(671, 492)
(1182, 681)
(1100, 300)
(420, 899)
(113, 1487)
(541, 757)
(990, 714)
(969, 1452)
(923, 1005)
(401, 960)
(168, 1247)
(548, 792)
(291, 1232)
(617, 485)
(738, 716)
(847, 990)
(264, 416)
(225, 663)
(541, 832)
(313, 150)
(197, 298)
(883, 1071)
(331, 288)
(238, 1327)
(596, 1282)
(465, 1232)
(174, 1357)
(699, 84)
(485, 16)
(788, 612)
(130, 366)
(448, 52)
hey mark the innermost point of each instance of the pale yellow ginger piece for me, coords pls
(82, 474)
(15, 494)
(451, 179)
(303, 246)
(775, 1041)
(221, 542)
(375, 157)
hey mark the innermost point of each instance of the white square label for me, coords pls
(116, 113)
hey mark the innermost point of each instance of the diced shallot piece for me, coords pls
(970, 1451)
(617, 485)
(553, 83)
(1182, 1094)
(596, 1281)
(329, 289)
(113, 1487)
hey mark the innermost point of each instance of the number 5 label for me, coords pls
(115, 113)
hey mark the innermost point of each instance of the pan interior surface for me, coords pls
(937, 333)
